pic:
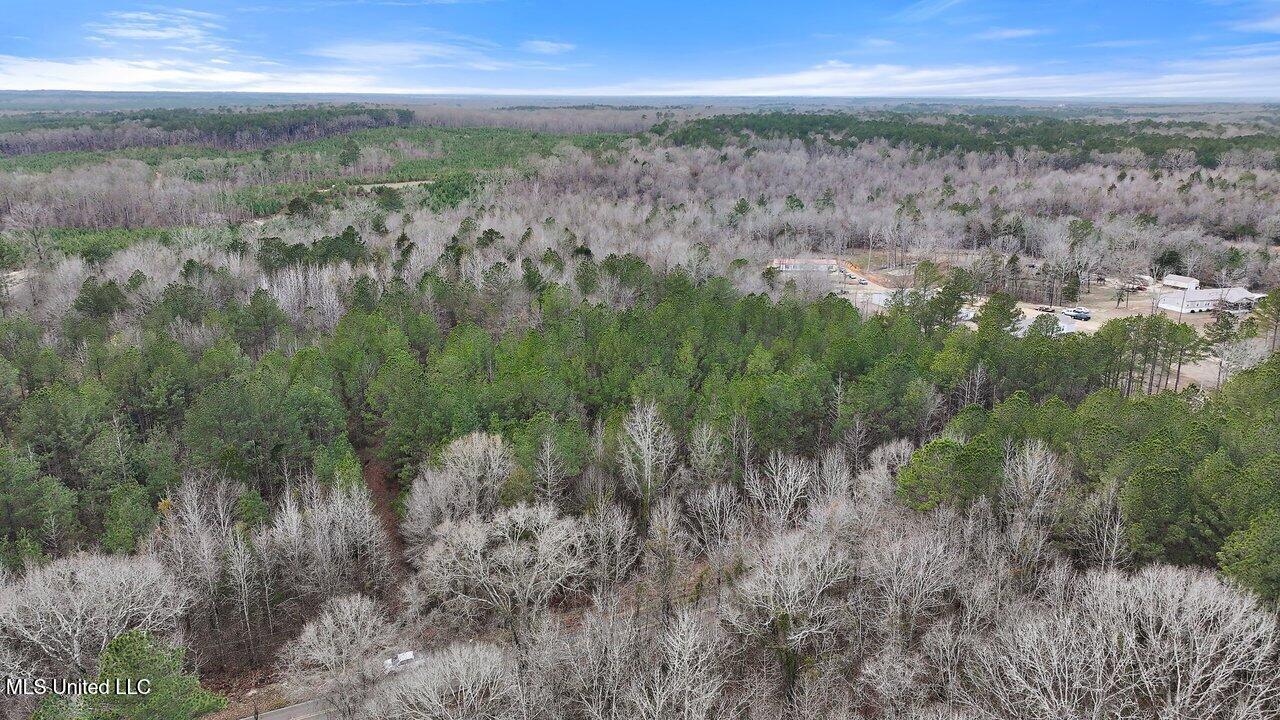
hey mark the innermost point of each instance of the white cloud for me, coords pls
(1007, 33)
(833, 78)
(1266, 24)
(395, 53)
(546, 47)
(17, 73)
(459, 53)
(1117, 43)
(1247, 72)
(194, 30)
(925, 10)
(1245, 78)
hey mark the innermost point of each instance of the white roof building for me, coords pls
(1207, 300)
(1180, 281)
(806, 265)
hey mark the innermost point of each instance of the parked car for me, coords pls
(1077, 313)
(401, 662)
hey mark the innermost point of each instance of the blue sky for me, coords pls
(941, 48)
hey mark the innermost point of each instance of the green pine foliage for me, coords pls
(128, 662)
(96, 434)
(1199, 479)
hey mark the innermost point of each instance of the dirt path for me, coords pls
(260, 221)
(382, 488)
(396, 184)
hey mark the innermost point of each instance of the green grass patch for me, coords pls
(95, 246)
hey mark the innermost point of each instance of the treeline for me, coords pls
(983, 133)
(233, 130)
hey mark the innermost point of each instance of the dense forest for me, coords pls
(536, 407)
(28, 134)
(988, 133)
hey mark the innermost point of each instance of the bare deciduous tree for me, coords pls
(59, 617)
(338, 655)
(707, 453)
(911, 568)
(472, 470)
(325, 542)
(549, 471)
(461, 682)
(647, 449)
(610, 544)
(788, 603)
(780, 490)
(509, 567)
(685, 682)
(1097, 527)
(1167, 642)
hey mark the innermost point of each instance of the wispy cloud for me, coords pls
(1263, 24)
(189, 29)
(1245, 77)
(1007, 33)
(1117, 43)
(404, 3)
(458, 54)
(833, 78)
(925, 10)
(1255, 76)
(397, 53)
(1248, 49)
(17, 73)
(546, 47)
(873, 43)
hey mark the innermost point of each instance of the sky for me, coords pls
(1201, 49)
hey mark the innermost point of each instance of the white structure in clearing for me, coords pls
(806, 265)
(1182, 282)
(1207, 300)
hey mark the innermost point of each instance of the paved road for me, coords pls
(310, 710)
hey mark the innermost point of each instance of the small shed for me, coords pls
(1181, 282)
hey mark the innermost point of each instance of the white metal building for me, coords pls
(1207, 300)
(1182, 282)
(806, 265)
